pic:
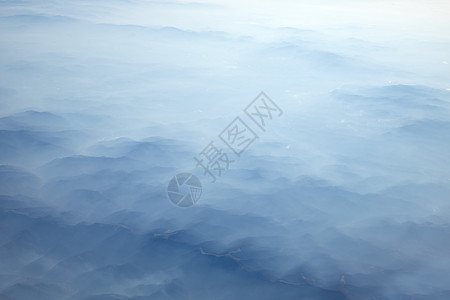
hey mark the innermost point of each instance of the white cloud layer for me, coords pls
(345, 196)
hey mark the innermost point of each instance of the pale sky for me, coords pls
(377, 20)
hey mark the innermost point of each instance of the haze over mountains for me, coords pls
(345, 196)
